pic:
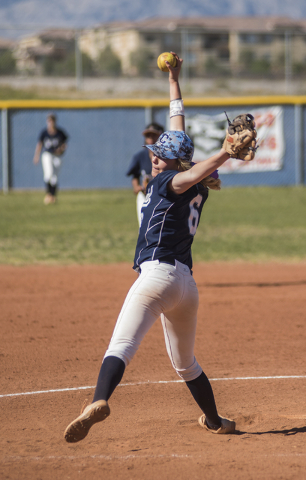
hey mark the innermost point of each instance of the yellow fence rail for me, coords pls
(151, 103)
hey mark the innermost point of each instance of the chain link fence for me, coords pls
(211, 48)
(104, 137)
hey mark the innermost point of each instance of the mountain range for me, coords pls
(18, 17)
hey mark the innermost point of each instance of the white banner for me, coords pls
(208, 133)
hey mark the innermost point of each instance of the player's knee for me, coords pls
(122, 357)
(189, 373)
(124, 352)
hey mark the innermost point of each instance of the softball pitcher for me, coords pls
(165, 287)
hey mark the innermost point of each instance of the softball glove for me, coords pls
(240, 140)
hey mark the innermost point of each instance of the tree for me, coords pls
(109, 63)
(212, 67)
(142, 59)
(299, 68)
(66, 66)
(7, 62)
(251, 64)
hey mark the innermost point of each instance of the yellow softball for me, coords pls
(166, 56)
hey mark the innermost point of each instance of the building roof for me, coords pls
(7, 43)
(237, 24)
(57, 34)
(52, 34)
(42, 50)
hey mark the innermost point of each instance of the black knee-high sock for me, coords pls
(53, 190)
(111, 372)
(201, 391)
(48, 187)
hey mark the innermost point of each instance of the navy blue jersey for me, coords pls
(51, 142)
(140, 165)
(169, 222)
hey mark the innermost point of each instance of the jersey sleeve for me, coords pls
(134, 168)
(41, 136)
(64, 136)
(163, 179)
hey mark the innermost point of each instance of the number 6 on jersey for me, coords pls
(193, 219)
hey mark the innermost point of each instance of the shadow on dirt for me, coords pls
(287, 432)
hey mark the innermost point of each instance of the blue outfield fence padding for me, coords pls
(103, 137)
(101, 143)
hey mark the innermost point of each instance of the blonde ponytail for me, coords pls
(212, 183)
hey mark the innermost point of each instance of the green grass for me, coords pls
(41, 93)
(9, 93)
(251, 224)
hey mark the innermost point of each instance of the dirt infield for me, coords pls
(55, 326)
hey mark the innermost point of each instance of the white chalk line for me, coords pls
(276, 377)
(18, 458)
(99, 457)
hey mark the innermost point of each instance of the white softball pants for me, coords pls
(171, 293)
(139, 203)
(51, 166)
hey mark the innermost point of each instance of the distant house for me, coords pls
(122, 37)
(208, 44)
(32, 51)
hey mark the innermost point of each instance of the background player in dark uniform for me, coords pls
(165, 286)
(52, 143)
(140, 167)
